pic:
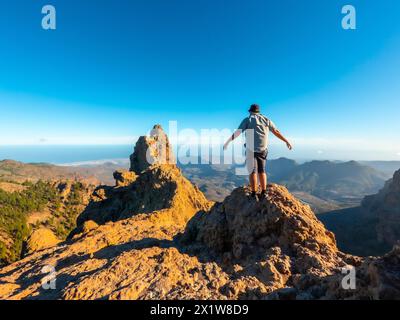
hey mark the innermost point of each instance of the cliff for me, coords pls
(385, 207)
(372, 228)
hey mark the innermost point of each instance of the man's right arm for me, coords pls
(236, 134)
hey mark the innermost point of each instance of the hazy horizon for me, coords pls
(92, 154)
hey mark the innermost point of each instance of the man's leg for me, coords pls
(261, 159)
(253, 182)
(252, 169)
(263, 181)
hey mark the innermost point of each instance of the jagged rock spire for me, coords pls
(151, 150)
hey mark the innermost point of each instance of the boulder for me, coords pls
(89, 226)
(41, 239)
(124, 178)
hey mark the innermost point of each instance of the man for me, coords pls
(257, 128)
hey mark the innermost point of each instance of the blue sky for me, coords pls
(114, 68)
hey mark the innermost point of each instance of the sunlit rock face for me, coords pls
(151, 150)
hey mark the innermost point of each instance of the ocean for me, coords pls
(98, 154)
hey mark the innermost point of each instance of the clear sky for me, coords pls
(113, 68)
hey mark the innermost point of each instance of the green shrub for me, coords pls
(14, 208)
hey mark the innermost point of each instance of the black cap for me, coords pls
(255, 108)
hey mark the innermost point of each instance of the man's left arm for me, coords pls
(279, 135)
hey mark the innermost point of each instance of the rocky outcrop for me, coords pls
(148, 187)
(151, 150)
(89, 226)
(372, 228)
(41, 239)
(242, 227)
(129, 259)
(385, 207)
(124, 178)
(159, 187)
(383, 275)
(376, 278)
(279, 242)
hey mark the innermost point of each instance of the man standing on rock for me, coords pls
(257, 128)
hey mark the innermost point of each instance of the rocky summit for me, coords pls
(155, 236)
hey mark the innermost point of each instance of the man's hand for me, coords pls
(281, 137)
(236, 134)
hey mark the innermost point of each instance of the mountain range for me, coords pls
(325, 185)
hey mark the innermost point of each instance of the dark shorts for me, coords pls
(256, 161)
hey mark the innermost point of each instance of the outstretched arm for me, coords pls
(236, 134)
(277, 133)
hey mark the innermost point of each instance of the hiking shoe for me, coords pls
(253, 196)
(263, 195)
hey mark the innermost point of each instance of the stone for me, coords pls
(41, 239)
(124, 178)
(152, 150)
(89, 226)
